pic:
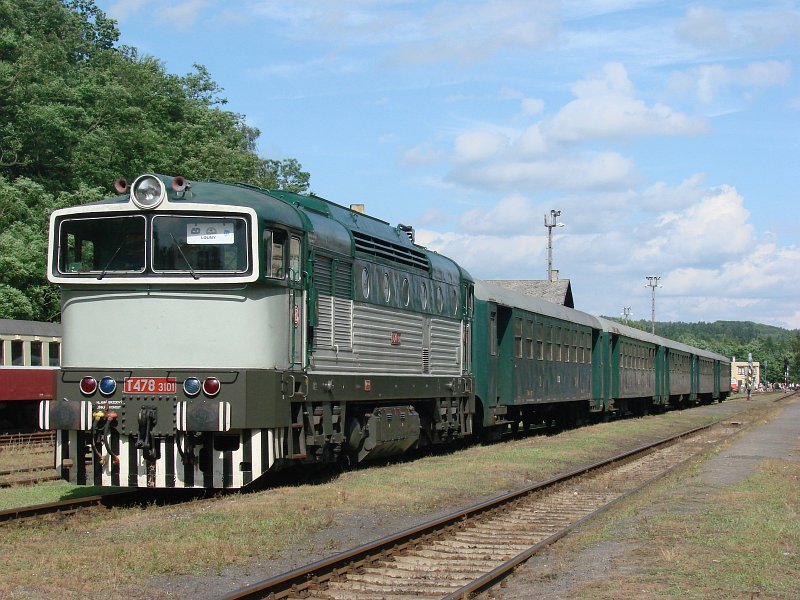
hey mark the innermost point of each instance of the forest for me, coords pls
(78, 110)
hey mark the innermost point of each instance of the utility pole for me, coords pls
(626, 313)
(554, 214)
(652, 283)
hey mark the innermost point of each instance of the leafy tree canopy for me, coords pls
(77, 112)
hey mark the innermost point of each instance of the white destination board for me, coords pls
(213, 232)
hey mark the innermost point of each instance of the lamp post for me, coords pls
(652, 283)
(554, 214)
(626, 313)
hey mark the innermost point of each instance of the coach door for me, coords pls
(506, 357)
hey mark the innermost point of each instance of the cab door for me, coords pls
(297, 304)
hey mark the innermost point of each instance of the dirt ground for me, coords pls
(561, 573)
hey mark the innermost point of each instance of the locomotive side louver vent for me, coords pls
(334, 283)
(426, 360)
(401, 255)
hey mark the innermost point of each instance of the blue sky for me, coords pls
(666, 133)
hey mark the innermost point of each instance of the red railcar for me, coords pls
(30, 353)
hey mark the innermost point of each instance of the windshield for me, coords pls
(177, 246)
(199, 244)
(102, 245)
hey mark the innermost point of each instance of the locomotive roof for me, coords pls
(34, 328)
(331, 226)
(507, 297)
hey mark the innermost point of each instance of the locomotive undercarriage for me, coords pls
(353, 432)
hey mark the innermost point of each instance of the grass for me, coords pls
(124, 548)
(743, 542)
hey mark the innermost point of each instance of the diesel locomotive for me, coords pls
(215, 332)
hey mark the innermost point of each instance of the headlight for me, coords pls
(147, 191)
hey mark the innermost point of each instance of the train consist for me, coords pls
(214, 333)
(29, 357)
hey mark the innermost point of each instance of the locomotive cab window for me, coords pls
(101, 245)
(199, 244)
(274, 242)
(295, 267)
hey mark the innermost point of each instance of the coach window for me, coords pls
(17, 358)
(54, 354)
(558, 339)
(493, 333)
(36, 354)
(529, 338)
(518, 337)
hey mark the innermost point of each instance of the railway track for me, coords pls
(65, 507)
(28, 476)
(122, 498)
(35, 438)
(470, 550)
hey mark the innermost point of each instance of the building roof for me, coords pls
(33, 328)
(557, 292)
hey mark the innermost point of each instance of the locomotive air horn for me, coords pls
(122, 185)
(179, 183)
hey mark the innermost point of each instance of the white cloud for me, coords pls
(122, 10)
(708, 81)
(590, 170)
(549, 153)
(657, 196)
(512, 215)
(755, 28)
(703, 26)
(421, 33)
(712, 264)
(183, 14)
(531, 106)
(473, 146)
(605, 107)
(423, 155)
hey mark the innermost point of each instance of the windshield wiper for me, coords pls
(110, 260)
(188, 264)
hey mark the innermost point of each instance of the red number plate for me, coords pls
(149, 385)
